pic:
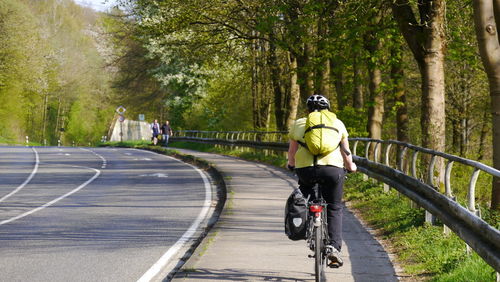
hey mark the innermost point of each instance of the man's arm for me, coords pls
(347, 155)
(292, 149)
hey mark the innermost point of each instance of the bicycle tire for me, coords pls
(319, 258)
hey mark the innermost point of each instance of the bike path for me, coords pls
(248, 242)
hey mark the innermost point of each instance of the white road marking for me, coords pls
(165, 258)
(155, 174)
(33, 172)
(98, 172)
(104, 161)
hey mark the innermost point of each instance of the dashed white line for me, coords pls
(104, 162)
(33, 172)
(98, 172)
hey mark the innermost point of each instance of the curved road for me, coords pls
(95, 214)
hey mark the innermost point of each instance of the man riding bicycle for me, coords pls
(326, 170)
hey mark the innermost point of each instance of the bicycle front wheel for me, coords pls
(319, 257)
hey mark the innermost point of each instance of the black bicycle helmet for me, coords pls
(317, 102)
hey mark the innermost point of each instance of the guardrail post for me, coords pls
(376, 153)
(430, 180)
(58, 143)
(376, 156)
(367, 152)
(472, 192)
(387, 151)
(471, 201)
(401, 159)
(414, 164)
(355, 146)
(448, 192)
(27, 141)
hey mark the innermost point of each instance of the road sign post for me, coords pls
(121, 110)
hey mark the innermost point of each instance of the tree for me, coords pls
(426, 39)
(487, 21)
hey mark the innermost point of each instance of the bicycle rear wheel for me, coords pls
(319, 257)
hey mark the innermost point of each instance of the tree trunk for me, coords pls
(255, 90)
(323, 75)
(482, 139)
(358, 85)
(426, 39)
(44, 119)
(279, 105)
(324, 80)
(487, 19)
(305, 77)
(294, 92)
(397, 76)
(338, 81)
(376, 108)
(433, 102)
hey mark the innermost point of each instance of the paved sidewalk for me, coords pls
(248, 242)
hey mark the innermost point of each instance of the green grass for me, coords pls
(423, 250)
(6, 141)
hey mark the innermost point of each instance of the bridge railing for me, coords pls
(398, 165)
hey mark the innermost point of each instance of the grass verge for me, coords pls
(424, 252)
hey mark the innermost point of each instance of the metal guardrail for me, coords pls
(464, 221)
(403, 148)
(269, 140)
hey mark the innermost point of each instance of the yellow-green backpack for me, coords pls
(321, 137)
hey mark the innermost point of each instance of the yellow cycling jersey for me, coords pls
(304, 158)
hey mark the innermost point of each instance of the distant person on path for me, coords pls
(166, 131)
(327, 169)
(155, 129)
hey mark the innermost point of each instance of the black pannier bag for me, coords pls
(296, 216)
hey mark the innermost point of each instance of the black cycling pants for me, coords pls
(331, 181)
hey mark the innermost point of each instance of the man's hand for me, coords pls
(290, 167)
(351, 167)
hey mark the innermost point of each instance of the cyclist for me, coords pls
(329, 172)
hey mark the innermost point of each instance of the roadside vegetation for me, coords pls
(423, 250)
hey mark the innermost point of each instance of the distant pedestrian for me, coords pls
(155, 129)
(166, 131)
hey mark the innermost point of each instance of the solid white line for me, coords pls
(33, 172)
(164, 260)
(98, 172)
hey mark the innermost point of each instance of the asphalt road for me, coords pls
(95, 214)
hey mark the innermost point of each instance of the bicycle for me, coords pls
(317, 234)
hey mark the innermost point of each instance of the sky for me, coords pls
(99, 5)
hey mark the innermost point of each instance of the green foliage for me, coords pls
(18, 67)
(354, 120)
(50, 72)
(225, 104)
